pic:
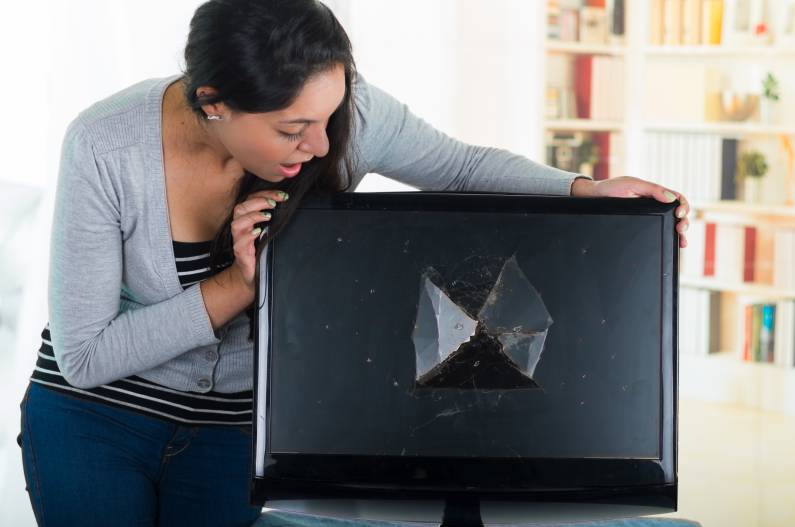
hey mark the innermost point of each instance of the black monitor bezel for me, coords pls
(631, 481)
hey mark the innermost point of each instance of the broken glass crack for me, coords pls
(479, 332)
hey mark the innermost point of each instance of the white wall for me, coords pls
(467, 67)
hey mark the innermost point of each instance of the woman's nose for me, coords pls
(316, 141)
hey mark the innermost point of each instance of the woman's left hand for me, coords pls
(630, 187)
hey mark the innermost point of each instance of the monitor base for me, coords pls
(462, 512)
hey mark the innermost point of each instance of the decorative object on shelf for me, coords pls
(588, 156)
(737, 106)
(770, 97)
(762, 34)
(785, 35)
(593, 25)
(751, 168)
(745, 23)
(564, 150)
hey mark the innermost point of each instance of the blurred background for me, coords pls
(698, 95)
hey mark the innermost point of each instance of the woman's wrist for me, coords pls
(226, 294)
(582, 187)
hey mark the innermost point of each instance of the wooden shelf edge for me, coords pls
(719, 50)
(721, 128)
(581, 48)
(584, 125)
(760, 290)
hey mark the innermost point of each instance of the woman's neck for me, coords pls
(189, 134)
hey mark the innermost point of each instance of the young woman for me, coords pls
(139, 408)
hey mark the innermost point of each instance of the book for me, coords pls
(582, 85)
(593, 25)
(728, 187)
(709, 249)
(672, 12)
(729, 253)
(783, 258)
(749, 254)
(691, 22)
(657, 23)
(712, 22)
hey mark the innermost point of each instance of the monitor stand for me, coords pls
(462, 512)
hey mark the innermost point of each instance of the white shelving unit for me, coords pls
(719, 377)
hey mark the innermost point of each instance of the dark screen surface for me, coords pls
(345, 289)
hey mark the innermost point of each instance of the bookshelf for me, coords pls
(667, 134)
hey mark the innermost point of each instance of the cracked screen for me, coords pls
(433, 333)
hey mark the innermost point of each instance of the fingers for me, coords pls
(681, 228)
(664, 194)
(243, 226)
(684, 206)
(264, 199)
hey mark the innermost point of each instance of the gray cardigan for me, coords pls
(116, 306)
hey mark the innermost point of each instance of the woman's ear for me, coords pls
(218, 108)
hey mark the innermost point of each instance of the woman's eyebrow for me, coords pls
(298, 121)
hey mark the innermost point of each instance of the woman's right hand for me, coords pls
(255, 209)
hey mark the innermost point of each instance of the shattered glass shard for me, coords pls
(499, 350)
(523, 350)
(441, 326)
(513, 304)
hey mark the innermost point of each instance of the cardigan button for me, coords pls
(211, 355)
(203, 383)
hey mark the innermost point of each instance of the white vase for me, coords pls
(752, 187)
(767, 110)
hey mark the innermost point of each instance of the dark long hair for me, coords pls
(258, 54)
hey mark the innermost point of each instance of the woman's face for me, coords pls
(265, 143)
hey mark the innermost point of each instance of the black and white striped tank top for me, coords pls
(138, 394)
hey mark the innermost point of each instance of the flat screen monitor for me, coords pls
(465, 357)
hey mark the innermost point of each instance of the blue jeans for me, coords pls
(87, 463)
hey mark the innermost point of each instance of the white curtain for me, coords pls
(468, 67)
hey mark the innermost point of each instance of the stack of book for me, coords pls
(585, 87)
(699, 321)
(703, 167)
(686, 22)
(736, 254)
(767, 331)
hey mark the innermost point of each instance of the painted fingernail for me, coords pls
(284, 195)
(670, 195)
(680, 213)
(272, 202)
(257, 231)
(267, 215)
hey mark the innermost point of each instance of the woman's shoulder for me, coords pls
(124, 117)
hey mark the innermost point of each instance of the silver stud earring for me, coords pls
(215, 117)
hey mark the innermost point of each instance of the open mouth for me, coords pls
(290, 170)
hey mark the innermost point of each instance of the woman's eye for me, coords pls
(291, 137)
